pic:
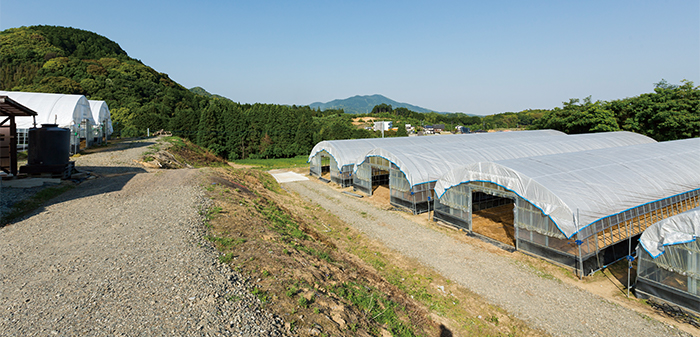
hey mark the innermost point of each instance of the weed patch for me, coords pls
(376, 306)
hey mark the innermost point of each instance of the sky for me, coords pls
(478, 57)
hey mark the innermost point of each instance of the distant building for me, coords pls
(383, 126)
(437, 128)
(462, 129)
(428, 130)
(410, 128)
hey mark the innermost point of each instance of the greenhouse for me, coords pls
(103, 120)
(580, 209)
(68, 111)
(411, 171)
(338, 157)
(669, 259)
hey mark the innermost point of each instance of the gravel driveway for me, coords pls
(553, 306)
(123, 254)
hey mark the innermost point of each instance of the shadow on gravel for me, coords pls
(113, 180)
(122, 145)
(109, 171)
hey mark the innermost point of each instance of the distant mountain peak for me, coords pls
(360, 104)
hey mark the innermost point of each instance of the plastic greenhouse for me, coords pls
(411, 171)
(669, 259)
(581, 208)
(68, 111)
(339, 156)
(103, 119)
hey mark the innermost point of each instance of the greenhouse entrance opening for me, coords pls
(492, 216)
(372, 177)
(320, 165)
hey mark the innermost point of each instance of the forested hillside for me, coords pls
(73, 61)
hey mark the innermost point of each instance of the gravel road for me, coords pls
(123, 254)
(550, 305)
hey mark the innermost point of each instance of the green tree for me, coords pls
(382, 108)
(211, 132)
(670, 112)
(575, 117)
(401, 132)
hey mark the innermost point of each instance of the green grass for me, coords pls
(262, 295)
(227, 258)
(268, 164)
(376, 306)
(291, 291)
(177, 141)
(25, 206)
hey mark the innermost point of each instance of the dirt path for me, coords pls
(545, 303)
(122, 255)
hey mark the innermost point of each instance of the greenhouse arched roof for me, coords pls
(60, 109)
(423, 163)
(100, 113)
(347, 151)
(678, 229)
(595, 184)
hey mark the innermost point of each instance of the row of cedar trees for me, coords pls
(237, 131)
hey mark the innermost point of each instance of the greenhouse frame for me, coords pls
(669, 260)
(67, 111)
(582, 209)
(339, 156)
(411, 171)
(103, 120)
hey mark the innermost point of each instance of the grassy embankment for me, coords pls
(318, 273)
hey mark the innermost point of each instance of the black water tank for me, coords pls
(48, 145)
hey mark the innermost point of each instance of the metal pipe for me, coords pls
(629, 254)
(578, 243)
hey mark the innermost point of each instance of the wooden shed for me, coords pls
(9, 109)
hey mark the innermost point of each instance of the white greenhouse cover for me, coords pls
(60, 109)
(347, 151)
(596, 183)
(426, 162)
(675, 230)
(100, 113)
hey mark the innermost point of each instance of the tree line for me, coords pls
(669, 112)
(72, 61)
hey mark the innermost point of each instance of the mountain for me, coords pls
(364, 104)
(203, 92)
(67, 60)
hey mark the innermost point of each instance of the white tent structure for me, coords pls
(68, 111)
(339, 156)
(572, 207)
(102, 117)
(669, 259)
(414, 169)
(64, 110)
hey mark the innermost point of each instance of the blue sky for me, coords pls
(480, 57)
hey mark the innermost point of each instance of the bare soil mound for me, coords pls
(495, 223)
